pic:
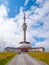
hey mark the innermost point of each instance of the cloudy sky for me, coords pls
(11, 20)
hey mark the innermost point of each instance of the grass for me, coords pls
(6, 56)
(43, 56)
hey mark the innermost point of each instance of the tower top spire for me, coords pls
(24, 17)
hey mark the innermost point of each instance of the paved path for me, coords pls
(24, 59)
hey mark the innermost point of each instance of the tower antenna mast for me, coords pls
(24, 26)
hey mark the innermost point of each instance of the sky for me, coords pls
(11, 21)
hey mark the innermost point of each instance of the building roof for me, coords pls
(21, 48)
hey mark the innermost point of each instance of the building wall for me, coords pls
(19, 50)
(41, 49)
(13, 50)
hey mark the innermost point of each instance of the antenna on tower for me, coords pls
(24, 17)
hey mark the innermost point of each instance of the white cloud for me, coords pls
(10, 31)
(2, 44)
(3, 11)
(26, 2)
(6, 2)
(40, 1)
(44, 44)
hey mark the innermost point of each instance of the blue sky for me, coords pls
(14, 6)
(11, 20)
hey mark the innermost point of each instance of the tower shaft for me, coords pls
(24, 36)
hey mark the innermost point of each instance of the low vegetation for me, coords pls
(6, 56)
(43, 56)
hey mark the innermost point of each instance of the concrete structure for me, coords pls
(24, 46)
(12, 49)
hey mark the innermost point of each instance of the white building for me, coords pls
(11, 49)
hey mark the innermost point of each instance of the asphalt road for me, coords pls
(24, 59)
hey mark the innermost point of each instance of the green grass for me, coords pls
(43, 56)
(4, 59)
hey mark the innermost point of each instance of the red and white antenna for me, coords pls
(24, 17)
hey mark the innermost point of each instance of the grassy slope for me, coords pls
(5, 57)
(43, 56)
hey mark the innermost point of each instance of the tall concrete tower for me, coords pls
(24, 44)
(24, 26)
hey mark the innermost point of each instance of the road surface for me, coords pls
(24, 59)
